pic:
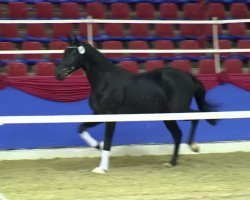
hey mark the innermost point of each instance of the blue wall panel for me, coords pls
(18, 136)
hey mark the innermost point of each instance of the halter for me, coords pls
(81, 49)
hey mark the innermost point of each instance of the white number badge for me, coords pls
(81, 50)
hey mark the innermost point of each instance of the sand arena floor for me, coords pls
(208, 177)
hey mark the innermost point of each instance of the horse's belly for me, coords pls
(143, 105)
(143, 98)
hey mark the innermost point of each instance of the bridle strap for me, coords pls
(72, 47)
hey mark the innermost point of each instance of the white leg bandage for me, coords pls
(104, 164)
(88, 139)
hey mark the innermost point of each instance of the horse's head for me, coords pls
(73, 59)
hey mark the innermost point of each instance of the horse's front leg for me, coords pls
(104, 164)
(85, 135)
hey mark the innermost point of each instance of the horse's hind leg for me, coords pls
(84, 134)
(174, 129)
(193, 145)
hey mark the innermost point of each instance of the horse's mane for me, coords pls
(97, 56)
(92, 52)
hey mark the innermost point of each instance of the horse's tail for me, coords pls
(203, 105)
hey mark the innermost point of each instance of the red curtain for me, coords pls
(212, 80)
(240, 80)
(3, 82)
(73, 88)
(209, 80)
(77, 88)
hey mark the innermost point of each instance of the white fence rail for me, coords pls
(123, 117)
(100, 21)
(132, 51)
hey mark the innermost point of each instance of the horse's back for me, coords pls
(163, 90)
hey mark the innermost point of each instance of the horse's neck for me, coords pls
(98, 67)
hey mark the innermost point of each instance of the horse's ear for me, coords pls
(76, 40)
(69, 39)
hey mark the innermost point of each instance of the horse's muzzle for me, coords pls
(59, 73)
(60, 77)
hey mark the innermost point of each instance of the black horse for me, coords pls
(117, 91)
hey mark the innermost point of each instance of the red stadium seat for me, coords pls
(244, 44)
(113, 45)
(16, 69)
(168, 11)
(96, 10)
(31, 59)
(216, 10)
(239, 10)
(192, 11)
(184, 65)
(191, 44)
(164, 31)
(45, 69)
(225, 44)
(237, 31)
(70, 10)
(37, 33)
(44, 10)
(164, 45)
(4, 59)
(232, 66)
(208, 29)
(83, 31)
(18, 10)
(189, 31)
(114, 31)
(62, 31)
(144, 11)
(120, 11)
(10, 33)
(57, 45)
(206, 66)
(131, 66)
(139, 32)
(151, 65)
(139, 45)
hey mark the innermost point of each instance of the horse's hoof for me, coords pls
(194, 147)
(99, 170)
(168, 165)
(101, 145)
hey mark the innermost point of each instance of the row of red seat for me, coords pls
(116, 57)
(40, 32)
(205, 66)
(98, 10)
(184, 45)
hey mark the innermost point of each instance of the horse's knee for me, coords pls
(85, 125)
(81, 128)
